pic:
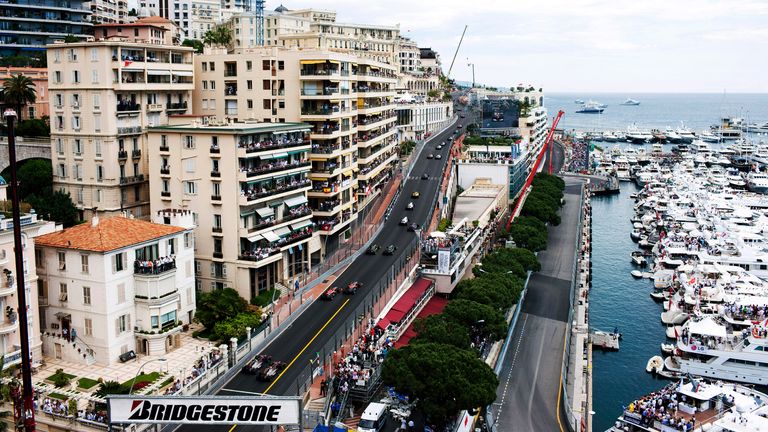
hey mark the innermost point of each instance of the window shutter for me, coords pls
(128, 324)
(224, 270)
(117, 326)
(213, 270)
(114, 264)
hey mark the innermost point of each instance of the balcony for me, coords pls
(255, 195)
(293, 214)
(217, 230)
(165, 170)
(165, 194)
(132, 179)
(230, 90)
(215, 197)
(122, 155)
(271, 145)
(129, 130)
(218, 255)
(215, 149)
(258, 254)
(261, 170)
(8, 326)
(128, 107)
(164, 148)
(154, 107)
(323, 72)
(216, 174)
(136, 154)
(154, 267)
(176, 106)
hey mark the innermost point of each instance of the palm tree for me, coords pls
(18, 91)
(219, 35)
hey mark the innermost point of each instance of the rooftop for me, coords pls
(107, 234)
(236, 128)
(474, 202)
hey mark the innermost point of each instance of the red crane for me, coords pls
(547, 147)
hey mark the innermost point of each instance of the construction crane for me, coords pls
(548, 145)
(457, 51)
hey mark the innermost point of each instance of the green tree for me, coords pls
(35, 177)
(219, 35)
(18, 91)
(33, 128)
(482, 290)
(55, 207)
(433, 94)
(235, 327)
(218, 306)
(70, 38)
(194, 43)
(442, 378)
(528, 235)
(437, 329)
(443, 225)
(110, 388)
(487, 320)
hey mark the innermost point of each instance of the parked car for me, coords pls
(352, 287)
(373, 249)
(404, 220)
(413, 227)
(409, 206)
(330, 293)
(390, 250)
(415, 194)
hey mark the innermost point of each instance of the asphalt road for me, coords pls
(299, 343)
(529, 381)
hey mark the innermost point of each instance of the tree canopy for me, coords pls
(437, 329)
(219, 35)
(219, 305)
(443, 378)
(529, 232)
(18, 91)
(487, 320)
(235, 326)
(35, 177)
(194, 43)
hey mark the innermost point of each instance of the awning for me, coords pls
(159, 72)
(270, 236)
(334, 61)
(300, 225)
(265, 212)
(63, 315)
(282, 231)
(293, 152)
(183, 73)
(383, 323)
(133, 68)
(254, 238)
(280, 155)
(264, 157)
(247, 211)
(296, 201)
(311, 62)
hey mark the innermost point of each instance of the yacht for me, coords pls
(708, 136)
(686, 135)
(621, 164)
(630, 102)
(579, 101)
(735, 180)
(672, 136)
(757, 182)
(760, 154)
(755, 127)
(608, 136)
(636, 136)
(590, 108)
(717, 407)
(717, 177)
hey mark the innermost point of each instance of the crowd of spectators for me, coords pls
(266, 167)
(252, 143)
(256, 191)
(201, 365)
(155, 266)
(662, 406)
(579, 160)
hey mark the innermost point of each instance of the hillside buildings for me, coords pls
(117, 284)
(39, 77)
(26, 26)
(10, 345)
(104, 94)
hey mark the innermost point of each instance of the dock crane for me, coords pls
(448, 75)
(548, 146)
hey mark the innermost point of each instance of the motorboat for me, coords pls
(636, 136)
(630, 102)
(658, 136)
(735, 179)
(672, 136)
(686, 135)
(637, 274)
(638, 258)
(654, 364)
(667, 348)
(659, 296)
(757, 182)
(636, 235)
(590, 108)
(708, 136)
(579, 101)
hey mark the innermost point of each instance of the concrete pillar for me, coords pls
(224, 352)
(248, 332)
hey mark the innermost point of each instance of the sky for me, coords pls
(637, 46)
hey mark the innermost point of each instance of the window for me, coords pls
(94, 54)
(250, 103)
(59, 146)
(205, 85)
(189, 142)
(118, 262)
(76, 122)
(72, 55)
(63, 292)
(97, 147)
(205, 102)
(249, 65)
(96, 101)
(281, 104)
(97, 122)
(265, 64)
(78, 172)
(166, 186)
(88, 327)
(217, 221)
(190, 188)
(86, 295)
(212, 104)
(213, 85)
(189, 165)
(77, 148)
(84, 263)
(57, 77)
(265, 85)
(75, 77)
(59, 100)
(249, 84)
(98, 195)
(267, 104)
(122, 324)
(205, 67)
(212, 66)
(187, 240)
(280, 65)
(95, 76)
(62, 171)
(99, 172)
(120, 293)
(62, 261)
(155, 319)
(57, 56)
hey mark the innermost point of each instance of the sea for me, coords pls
(616, 299)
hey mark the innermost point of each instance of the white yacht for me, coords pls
(686, 135)
(672, 136)
(757, 182)
(621, 164)
(760, 154)
(637, 136)
(735, 180)
(708, 136)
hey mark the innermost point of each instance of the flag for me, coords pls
(676, 335)
(127, 63)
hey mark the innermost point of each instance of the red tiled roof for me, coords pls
(109, 234)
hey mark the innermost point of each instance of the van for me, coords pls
(374, 418)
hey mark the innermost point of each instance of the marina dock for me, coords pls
(604, 340)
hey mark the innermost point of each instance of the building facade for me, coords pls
(28, 26)
(104, 94)
(39, 77)
(347, 101)
(10, 341)
(417, 120)
(117, 284)
(246, 184)
(109, 11)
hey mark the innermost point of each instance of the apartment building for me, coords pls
(348, 102)
(204, 16)
(409, 55)
(10, 341)
(246, 184)
(27, 25)
(417, 120)
(39, 77)
(117, 284)
(109, 11)
(104, 94)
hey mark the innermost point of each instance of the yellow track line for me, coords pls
(302, 351)
(559, 390)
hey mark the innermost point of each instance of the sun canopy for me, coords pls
(707, 327)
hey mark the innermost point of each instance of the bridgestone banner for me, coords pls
(204, 410)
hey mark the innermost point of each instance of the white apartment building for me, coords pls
(204, 15)
(246, 184)
(103, 96)
(409, 55)
(10, 340)
(347, 100)
(120, 284)
(416, 120)
(109, 11)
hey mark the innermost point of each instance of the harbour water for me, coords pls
(697, 111)
(618, 300)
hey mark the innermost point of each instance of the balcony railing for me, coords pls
(154, 267)
(256, 171)
(258, 254)
(254, 195)
(271, 145)
(122, 154)
(128, 106)
(217, 229)
(165, 169)
(215, 149)
(176, 106)
(215, 173)
(319, 71)
(165, 194)
(136, 153)
(164, 148)
(154, 107)
(133, 179)
(129, 130)
(215, 197)
(304, 211)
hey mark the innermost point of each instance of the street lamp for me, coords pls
(473, 72)
(27, 413)
(130, 390)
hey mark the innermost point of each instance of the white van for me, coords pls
(374, 418)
